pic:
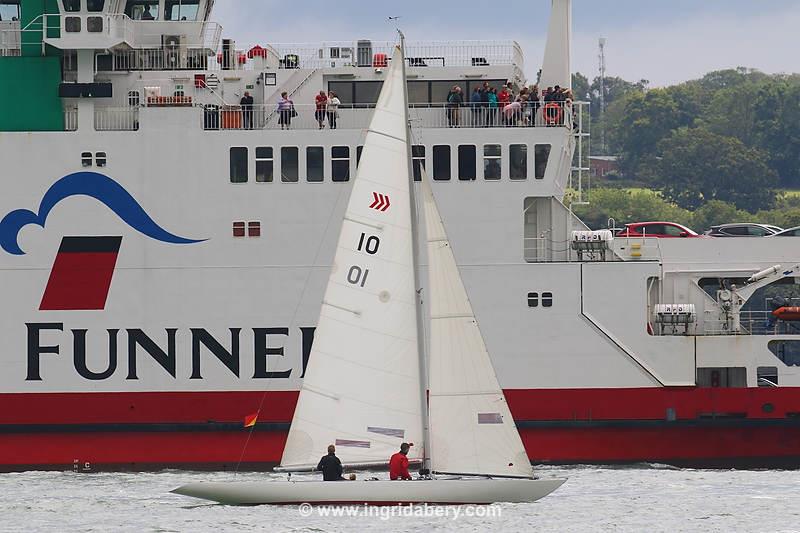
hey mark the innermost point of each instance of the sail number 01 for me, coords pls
(370, 244)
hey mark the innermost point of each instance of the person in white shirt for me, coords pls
(333, 109)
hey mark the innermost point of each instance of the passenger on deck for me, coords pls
(476, 102)
(321, 101)
(147, 15)
(285, 111)
(247, 111)
(398, 464)
(491, 118)
(454, 102)
(330, 466)
(333, 109)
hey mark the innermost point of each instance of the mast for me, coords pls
(423, 373)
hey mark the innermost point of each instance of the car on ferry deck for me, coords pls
(746, 229)
(661, 230)
(791, 232)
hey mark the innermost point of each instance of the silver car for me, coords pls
(745, 229)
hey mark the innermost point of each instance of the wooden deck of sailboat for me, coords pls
(381, 492)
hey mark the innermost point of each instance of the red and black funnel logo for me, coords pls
(81, 274)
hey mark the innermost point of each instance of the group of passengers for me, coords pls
(488, 106)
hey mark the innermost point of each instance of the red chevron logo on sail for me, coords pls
(380, 202)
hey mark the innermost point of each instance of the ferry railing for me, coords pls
(751, 323)
(439, 115)
(376, 54)
(116, 118)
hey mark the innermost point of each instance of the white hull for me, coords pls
(440, 491)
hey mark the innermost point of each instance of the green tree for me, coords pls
(695, 166)
(777, 130)
(628, 206)
(718, 212)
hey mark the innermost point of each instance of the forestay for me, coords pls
(472, 431)
(361, 389)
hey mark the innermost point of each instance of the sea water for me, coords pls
(646, 498)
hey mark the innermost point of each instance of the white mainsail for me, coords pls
(361, 389)
(472, 430)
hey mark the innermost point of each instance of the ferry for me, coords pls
(165, 243)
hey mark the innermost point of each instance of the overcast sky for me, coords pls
(664, 41)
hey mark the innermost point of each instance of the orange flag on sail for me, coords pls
(250, 420)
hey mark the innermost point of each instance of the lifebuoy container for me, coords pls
(553, 113)
(789, 314)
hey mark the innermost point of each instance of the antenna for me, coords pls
(602, 44)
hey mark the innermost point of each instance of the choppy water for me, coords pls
(645, 498)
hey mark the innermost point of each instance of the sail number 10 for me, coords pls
(366, 243)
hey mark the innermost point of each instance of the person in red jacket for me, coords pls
(398, 464)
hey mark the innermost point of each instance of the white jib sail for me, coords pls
(472, 430)
(361, 389)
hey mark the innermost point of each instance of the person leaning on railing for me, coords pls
(454, 102)
(333, 109)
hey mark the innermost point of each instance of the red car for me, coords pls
(662, 230)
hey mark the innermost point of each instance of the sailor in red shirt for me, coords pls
(398, 464)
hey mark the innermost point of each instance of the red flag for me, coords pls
(250, 420)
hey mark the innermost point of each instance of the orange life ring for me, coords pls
(553, 113)
(789, 314)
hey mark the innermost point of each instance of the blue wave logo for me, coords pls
(94, 185)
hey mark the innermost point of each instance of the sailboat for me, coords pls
(363, 389)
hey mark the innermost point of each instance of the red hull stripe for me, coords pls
(138, 430)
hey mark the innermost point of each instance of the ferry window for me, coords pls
(722, 377)
(418, 92)
(290, 171)
(238, 165)
(491, 161)
(72, 24)
(441, 162)
(366, 92)
(787, 351)
(94, 24)
(181, 9)
(86, 159)
(440, 90)
(142, 9)
(95, 6)
(264, 164)
(315, 163)
(72, 6)
(418, 160)
(9, 10)
(134, 98)
(542, 155)
(547, 299)
(254, 229)
(100, 159)
(340, 163)
(343, 89)
(359, 149)
(466, 162)
(767, 376)
(238, 229)
(518, 161)
(533, 299)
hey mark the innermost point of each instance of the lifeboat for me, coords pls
(789, 314)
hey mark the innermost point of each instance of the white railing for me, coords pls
(418, 54)
(306, 117)
(70, 119)
(162, 59)
(116, 118)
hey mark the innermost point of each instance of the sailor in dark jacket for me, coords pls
(331, 466)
